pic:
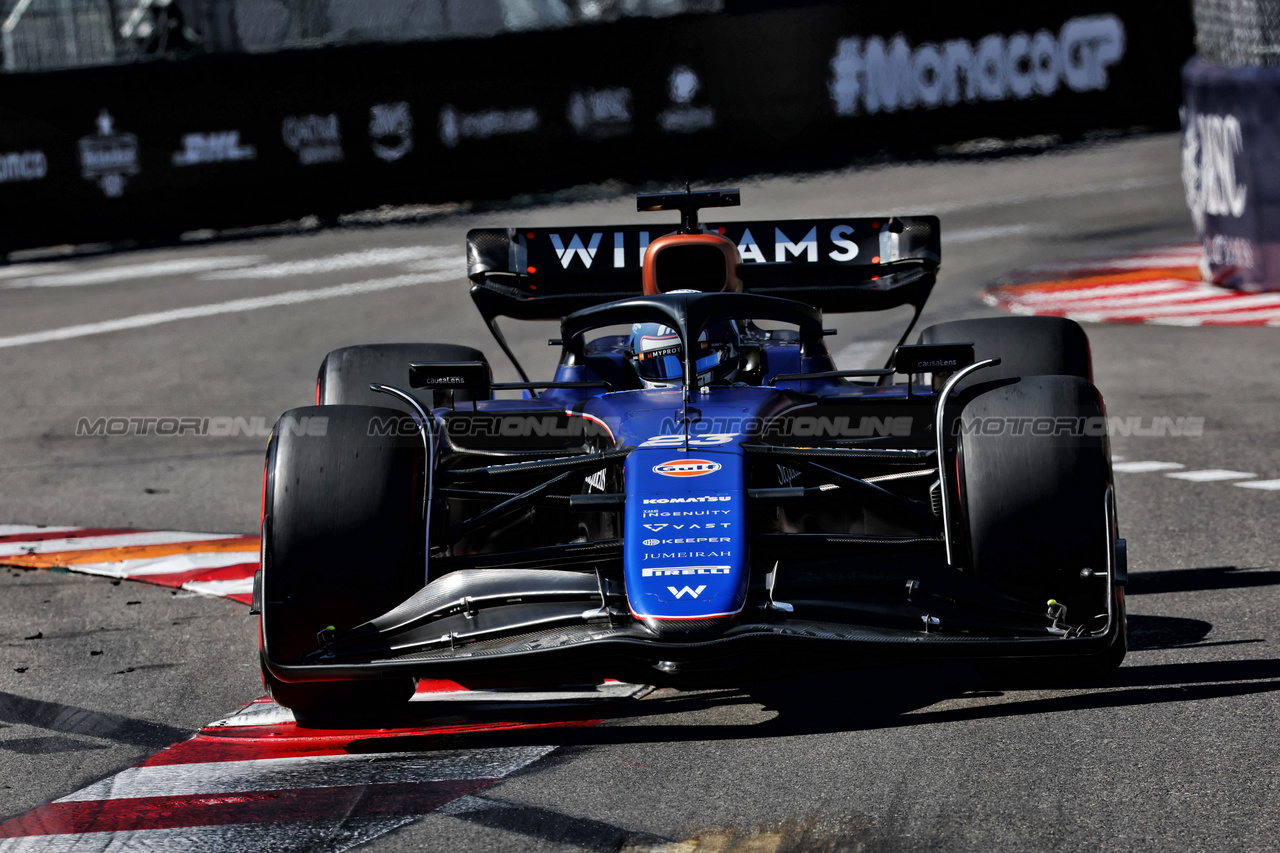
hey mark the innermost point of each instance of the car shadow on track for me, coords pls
(1201, 579)
(858, 700)
(898, 695)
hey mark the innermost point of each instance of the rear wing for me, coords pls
(834, 265)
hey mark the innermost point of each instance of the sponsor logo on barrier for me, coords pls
(1210, 145)
(456, 126)
(222, 146)
(108, 157)
(683, 116)
(872, 76)
(600, 113)
(1223, 251)
(390, 130)
(687, 468)
(314, 138)
(685, 570)
(23, 166)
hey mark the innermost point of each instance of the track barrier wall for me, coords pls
(153, 149)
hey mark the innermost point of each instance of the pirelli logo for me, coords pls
(684, 570)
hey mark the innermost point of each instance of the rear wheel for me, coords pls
(1026, 346)
(345, 374)
(342, 544)
(1036, 513)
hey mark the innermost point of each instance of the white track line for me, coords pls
(312, 771)
(1096, 291)
(18, 529)
(292, 297)
(174, 564)
(320, 835)
(129, 272)
(1210, 475)
(222, 588)
(255, 714)
(970, 203)
(975, 235)
(862, 355)
(346, 261)
(1265, 485)
(1204, 295)
(1145, 467)
(118, 540)
(1271, 301)
(1256, 316)
(589, 693)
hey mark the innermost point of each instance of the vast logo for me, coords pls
(686, 590)
(687, 468)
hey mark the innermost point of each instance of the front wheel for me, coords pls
(342, 544)
(1037, 515)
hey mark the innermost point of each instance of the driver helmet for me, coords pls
(658, 357)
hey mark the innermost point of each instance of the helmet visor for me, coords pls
(667, 363)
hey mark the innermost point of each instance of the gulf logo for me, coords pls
(686, 468)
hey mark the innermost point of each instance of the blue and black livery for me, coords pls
(797, 512)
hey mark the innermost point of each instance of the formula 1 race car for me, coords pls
(704, 491)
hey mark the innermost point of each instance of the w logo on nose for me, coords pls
(681, 593)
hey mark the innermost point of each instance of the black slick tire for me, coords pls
(1026, 346)
(345, 374)
(1034, 471)
(342, 543)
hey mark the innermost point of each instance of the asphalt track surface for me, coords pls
(1178, 752)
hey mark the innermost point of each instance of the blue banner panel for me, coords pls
(1231, 171)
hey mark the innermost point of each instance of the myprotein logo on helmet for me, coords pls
(687, 468)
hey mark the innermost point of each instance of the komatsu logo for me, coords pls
(685, 590)
(693, 500)
(687, 468)
(576, 249)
